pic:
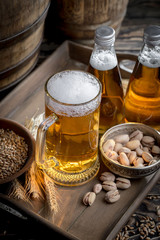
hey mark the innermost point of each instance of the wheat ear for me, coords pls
(51, 194)
(18, 191)
(33, 182)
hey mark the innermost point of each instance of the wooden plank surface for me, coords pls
(101, 221)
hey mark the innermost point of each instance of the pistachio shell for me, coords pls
(155, 149)
(112, 196)
(123, 183)
(123, 159)
(139, 151)
(108, 145)
(148, 141)
(107, 176)
(147, 156)
(136, 135)
(112, 154)
(89, 198)
(97, 188)
(109, 185)
(117, 147)
(124, 138)
(133, 144)
(132, 156)
(125, 150)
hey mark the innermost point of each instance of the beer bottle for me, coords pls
(104, 65)
(142, 100)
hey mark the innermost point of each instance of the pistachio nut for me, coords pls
(123, 159)
(133, 144)
(109, 185)
(146, 149)
(112, 196)
(125, 150)
(155, 149)
(97, 188)
(147, 156)
(107, 176)
(117, 147)
(123, 183)
(132, 156)
(136, 135)
(123, 138)
(138, 162)
(139, 151)
(89, 198)
(112, 154)
(152, 162)
(148, 141)
(108, 145)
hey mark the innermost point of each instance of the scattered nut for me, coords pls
(109, 185)
(89, 198)
(112, 196)
(97, 188)
(123, 183)
(107, 176)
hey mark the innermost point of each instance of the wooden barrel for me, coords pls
(78, 19)
(21, 32)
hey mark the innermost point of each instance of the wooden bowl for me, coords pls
(29, 140)
(129, 171)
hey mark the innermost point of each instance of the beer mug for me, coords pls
(67, 140)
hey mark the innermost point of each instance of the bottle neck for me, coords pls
(104, 48)
(149, 56)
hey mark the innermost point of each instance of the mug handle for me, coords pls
(40, 139)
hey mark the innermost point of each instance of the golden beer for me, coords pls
(71, 152)
(111, 110)
(142, 101)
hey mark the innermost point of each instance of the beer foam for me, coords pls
(103, 60)
(75, 88)
(150, 57)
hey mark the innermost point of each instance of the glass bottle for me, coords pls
(104, 65)
(142, 100)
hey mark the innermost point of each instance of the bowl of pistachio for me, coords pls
(131, 150)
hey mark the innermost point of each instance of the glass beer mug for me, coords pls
(67, 140)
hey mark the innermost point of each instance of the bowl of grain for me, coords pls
(131, 150)
(17, 150)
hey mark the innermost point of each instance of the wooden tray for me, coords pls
(101, 220)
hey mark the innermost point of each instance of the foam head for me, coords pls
(73, 88)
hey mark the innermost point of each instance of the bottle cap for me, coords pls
(104, 36)
(152, 35)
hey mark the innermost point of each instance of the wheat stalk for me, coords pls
(33, 182)
(51, 194)
(18, 191)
